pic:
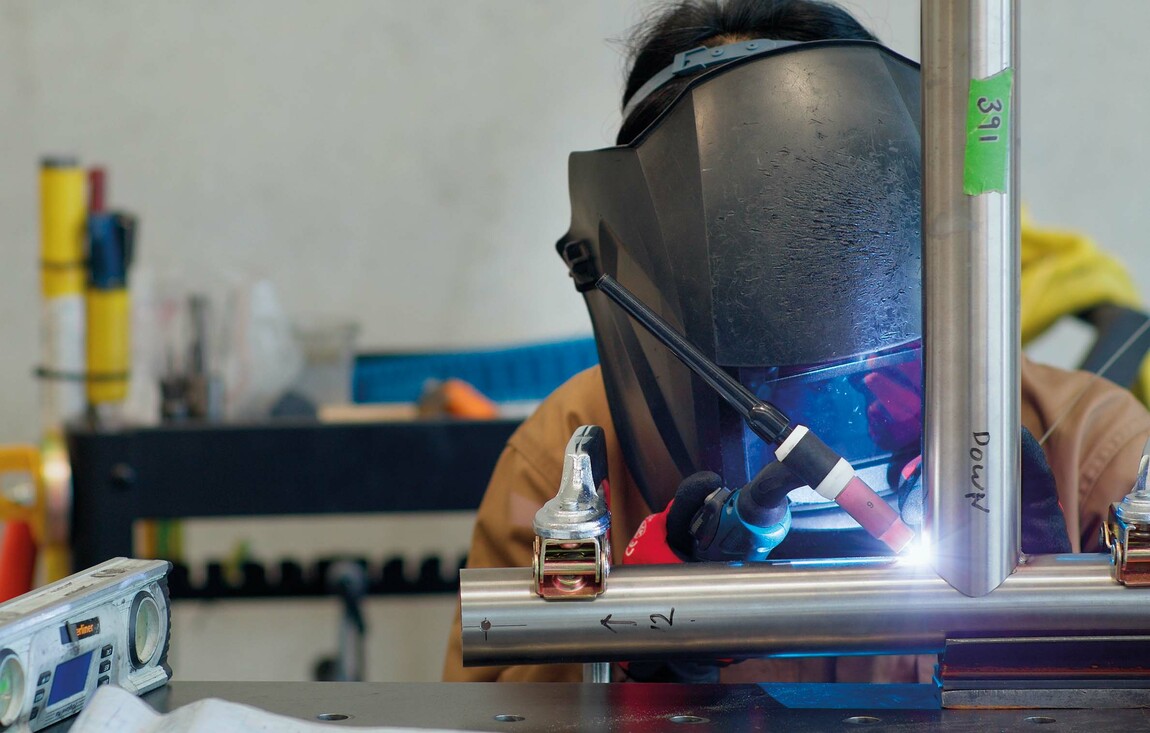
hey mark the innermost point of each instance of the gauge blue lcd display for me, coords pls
(69, 678)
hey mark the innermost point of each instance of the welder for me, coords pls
(764, 200)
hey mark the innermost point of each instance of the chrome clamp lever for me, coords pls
(572, 554)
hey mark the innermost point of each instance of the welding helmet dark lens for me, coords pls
(868, 409)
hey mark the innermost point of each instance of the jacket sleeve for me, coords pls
(1092, 432)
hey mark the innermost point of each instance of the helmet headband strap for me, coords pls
(703, 57)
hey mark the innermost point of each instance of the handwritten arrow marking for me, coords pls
(607, 622)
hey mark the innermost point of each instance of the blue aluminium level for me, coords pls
(512, 374)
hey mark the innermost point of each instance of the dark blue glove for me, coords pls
(1043, 524)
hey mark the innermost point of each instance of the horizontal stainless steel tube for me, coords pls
(810, 608)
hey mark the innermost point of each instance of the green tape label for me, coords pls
(988, 134)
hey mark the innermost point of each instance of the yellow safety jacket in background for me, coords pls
(1064, 273)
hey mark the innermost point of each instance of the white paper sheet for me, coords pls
(113, 710)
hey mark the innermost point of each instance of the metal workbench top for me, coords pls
(556, 708)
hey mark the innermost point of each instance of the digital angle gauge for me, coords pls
(109, 624)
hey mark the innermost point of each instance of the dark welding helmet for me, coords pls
(771, 214)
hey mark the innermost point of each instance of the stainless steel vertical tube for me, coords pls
(970, 290)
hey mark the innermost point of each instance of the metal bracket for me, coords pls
(1127, 531)
(572, 553)
(1045, 672)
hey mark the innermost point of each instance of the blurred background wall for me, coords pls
(404, 162)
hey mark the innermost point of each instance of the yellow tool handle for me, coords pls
(63, 213)
(109, 345)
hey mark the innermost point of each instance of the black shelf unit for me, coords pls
(269, 469)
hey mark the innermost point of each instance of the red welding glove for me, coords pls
(649, 545)
(665, 538)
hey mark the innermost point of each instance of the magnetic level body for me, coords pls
(109, 624)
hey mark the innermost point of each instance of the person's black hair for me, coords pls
(692, 23)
